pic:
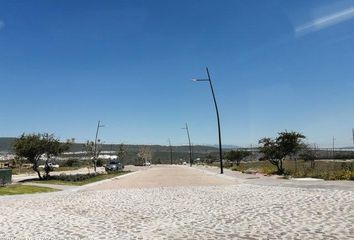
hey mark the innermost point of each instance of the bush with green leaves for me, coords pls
(237, 156)
(33, 146)
(276, 150)
(74, 177)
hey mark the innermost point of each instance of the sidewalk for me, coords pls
(260, 179)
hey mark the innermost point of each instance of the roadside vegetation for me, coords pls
(328, 170)
(78, 179)
(33, 146)
(23, 189)
(288, 155)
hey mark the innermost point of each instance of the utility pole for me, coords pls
(333, 147)
(190, 146)
(95, 147)
(192, 151)
(169, 142)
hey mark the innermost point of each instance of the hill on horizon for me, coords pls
(6, 145)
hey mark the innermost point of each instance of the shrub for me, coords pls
(99, 163)
(71, 163)
(74, 178)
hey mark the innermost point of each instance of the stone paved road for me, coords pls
(222, 209)
(166, 176)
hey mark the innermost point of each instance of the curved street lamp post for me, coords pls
(190, 146)
(217, 115)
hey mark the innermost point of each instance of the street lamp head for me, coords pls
(200, 80)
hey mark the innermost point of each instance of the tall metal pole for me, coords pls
(95, 147)
(333, 147)
(190, 146)
(97, 129)
(218, 119)
(169, 141)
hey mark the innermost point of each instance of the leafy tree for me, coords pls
(99, 162)
(93, 151)
(122, 152)
(285, 145)
(145, 154)
(53, 147)
(34, 146)
(237, 156)
(18, 162)
(309, 155)
(71, 162)
(209, 159)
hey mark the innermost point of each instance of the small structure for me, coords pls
(5, 176)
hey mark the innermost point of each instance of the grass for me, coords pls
(328, 170)
(16, 171)
(23, 189)
(261, 166)
(69, 181)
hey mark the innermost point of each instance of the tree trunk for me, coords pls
(313, 164)
(281, 169)
(35, 168)
(295, 159)
(39, 175)
(35, 161)
(275, 163)
(46, 169)
(95, 165)
(279, 165)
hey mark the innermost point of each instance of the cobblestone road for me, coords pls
(223, 211)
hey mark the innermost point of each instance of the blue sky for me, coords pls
(276, 65)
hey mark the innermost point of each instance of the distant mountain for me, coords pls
(350, 147)
(77, 147)
(160, 154)
(226, 146)
(6, 145)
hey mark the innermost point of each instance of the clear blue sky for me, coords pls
(276, 65)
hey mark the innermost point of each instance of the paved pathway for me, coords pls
(165, 176)
(197, 204)
(262, 180)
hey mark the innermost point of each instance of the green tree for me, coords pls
(121, 152)
(309, 154)
(34, 146)
(18, 162)
(93, 152)
(237, 156)
(210, 158)
(144, 154)
(53, 147)
(285, 145)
